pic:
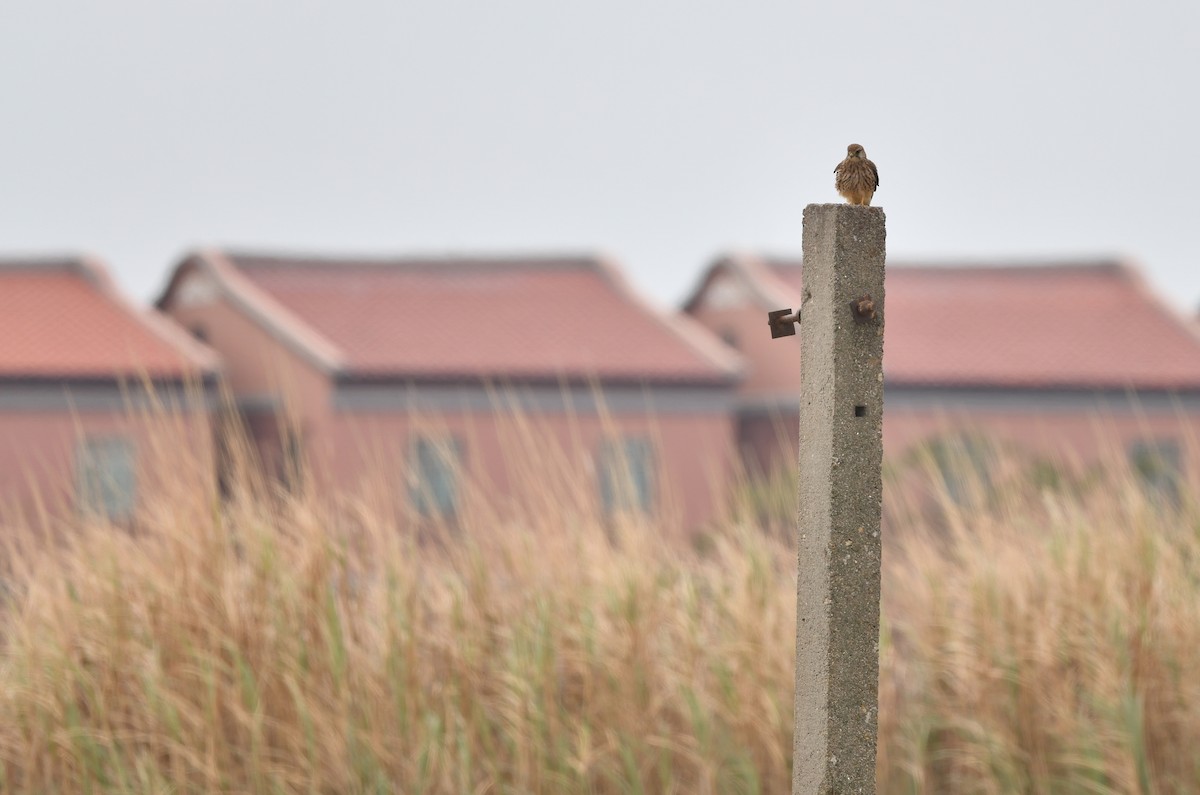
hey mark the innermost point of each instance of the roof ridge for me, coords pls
(152, 321)
(695, 336)
(758, 271)
(50, 262)
(143, 346)
(1105, 264)
(1177, 317)
(263, 308)
(1020, 267)
(251, 260)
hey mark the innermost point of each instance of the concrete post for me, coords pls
(841, 454)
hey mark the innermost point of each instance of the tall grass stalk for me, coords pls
(1035, 639)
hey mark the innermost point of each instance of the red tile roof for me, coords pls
(1066, 325)
(505, 318)
(62, 318)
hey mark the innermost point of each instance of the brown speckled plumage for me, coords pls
(857, 177)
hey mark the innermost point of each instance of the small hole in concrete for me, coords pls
(860, 411)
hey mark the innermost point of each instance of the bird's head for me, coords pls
(855, 150)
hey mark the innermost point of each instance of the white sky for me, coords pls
(659, 132)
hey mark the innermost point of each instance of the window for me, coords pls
(964, 465)
(1157, 464)
(228, 435)
(293, 470)
(625, 468)
(435, 468)
(106, 477)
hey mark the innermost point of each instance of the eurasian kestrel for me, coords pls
(857, 177)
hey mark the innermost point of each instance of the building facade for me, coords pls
(99, 399)
(1061, 362)
(432, 382)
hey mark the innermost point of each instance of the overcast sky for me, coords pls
(659, 132)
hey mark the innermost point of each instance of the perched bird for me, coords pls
(857, 177)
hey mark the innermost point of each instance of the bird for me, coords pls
(857, 177)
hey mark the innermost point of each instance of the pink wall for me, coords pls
(255, 362)
(279, 386)
(38, 457)
(772, 365)
(544, 457)
(1083, 437)
(355, 450)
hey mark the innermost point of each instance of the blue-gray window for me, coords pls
(106, 477)
(964, 464)
(292, 470)
(625, 468)
(1158, 466)
(435, 470)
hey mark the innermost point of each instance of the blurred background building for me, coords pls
(82, 371)
(1065, 362)
(446, 371)
(435, 384)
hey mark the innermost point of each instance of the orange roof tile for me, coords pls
(1061, 325)
(62, 318)
(505, 318)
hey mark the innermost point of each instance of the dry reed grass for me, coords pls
(1039, 640)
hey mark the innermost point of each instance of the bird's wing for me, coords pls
(874, 172)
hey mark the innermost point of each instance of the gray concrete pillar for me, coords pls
(841, 454)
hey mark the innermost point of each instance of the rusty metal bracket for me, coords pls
(863, 308)
(783, 323)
